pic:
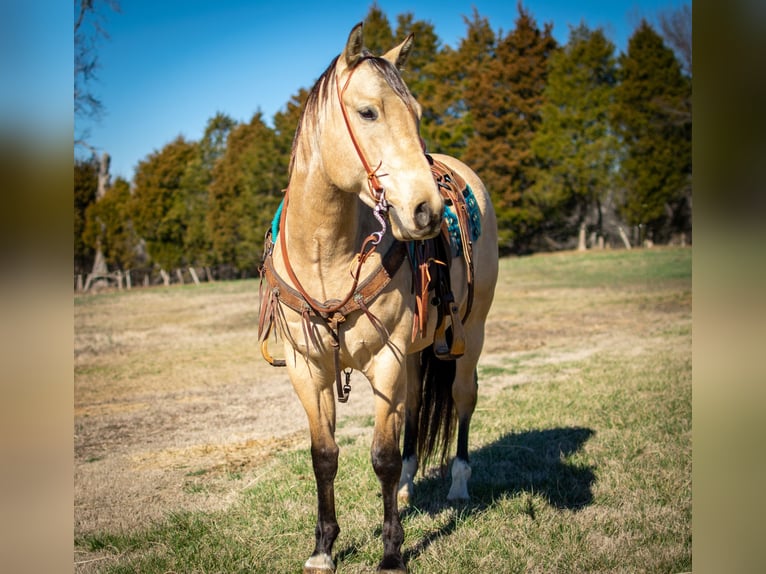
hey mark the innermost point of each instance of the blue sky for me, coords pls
(170, 65)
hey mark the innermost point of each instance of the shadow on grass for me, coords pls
(532, 462)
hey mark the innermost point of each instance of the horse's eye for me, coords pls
(368, 114)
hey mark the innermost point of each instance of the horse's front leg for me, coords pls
(390, 385)
(315, 391)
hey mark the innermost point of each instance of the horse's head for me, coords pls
(370, 143)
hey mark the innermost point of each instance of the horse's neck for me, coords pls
(323, 229)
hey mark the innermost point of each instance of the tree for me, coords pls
(88, 30)
(676, 27)
(575, 149)
(504, 100)
(85, 189)
(244, 194)
(160, 206)
(425, 49)
(109, 227)
(446, 125)
(195, 183)
(212, 146)
(378, 37)
(656, 170)
(285, 125)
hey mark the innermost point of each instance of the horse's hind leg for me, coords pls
(409, 447)
(464, 393)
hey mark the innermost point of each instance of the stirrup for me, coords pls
(450, 351)
(266, 355)
(441, 347)
(457, 349)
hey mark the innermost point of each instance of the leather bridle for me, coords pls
(378, 193)
(333, 312)
(376, 188)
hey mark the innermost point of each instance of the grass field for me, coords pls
(192, 456)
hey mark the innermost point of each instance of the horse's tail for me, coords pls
(436, 416)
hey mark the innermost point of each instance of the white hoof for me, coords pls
(406, 487)
(404, 494)
(319, 564)
(461, 473)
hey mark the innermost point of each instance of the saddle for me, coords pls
(430, 261)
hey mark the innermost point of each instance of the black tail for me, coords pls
(437, 413)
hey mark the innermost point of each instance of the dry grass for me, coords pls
(170, 382)
(191, 456)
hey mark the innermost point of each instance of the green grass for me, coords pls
(638, 267)
(581, 461)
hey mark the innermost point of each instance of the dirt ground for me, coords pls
(175, 408)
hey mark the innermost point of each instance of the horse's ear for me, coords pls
(398, 56)
(354, 46)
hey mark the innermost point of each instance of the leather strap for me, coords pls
(376, 188)
(371, 287)
(453, 186)
(328, 307)
(363, 292)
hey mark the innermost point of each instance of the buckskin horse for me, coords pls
(381, 259)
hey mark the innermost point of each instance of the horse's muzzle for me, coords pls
(427, 220)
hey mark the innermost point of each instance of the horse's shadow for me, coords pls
(534, 462)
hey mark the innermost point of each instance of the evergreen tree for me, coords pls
(446, 123)
(160, 206)
(213, 143)
(244, 194)
(378, 37)
(425, 49)
(85, 189)
(195, 184)
(574, 147)
(109, 225)
(656, 170)
(285, 124)
(504, 101)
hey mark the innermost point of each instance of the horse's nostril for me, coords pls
(423, 215)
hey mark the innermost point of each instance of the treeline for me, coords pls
(577, 145)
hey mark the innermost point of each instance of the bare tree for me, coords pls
(100, 269)
(88, 31)
(676, 26)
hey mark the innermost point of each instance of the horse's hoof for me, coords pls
(409, 468)
(392, 566)
(458, 492)
(405, 494)
(319, 564)
(461, 474)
